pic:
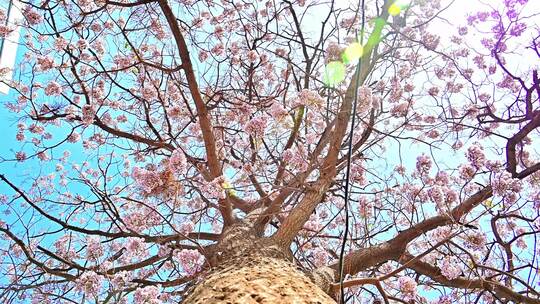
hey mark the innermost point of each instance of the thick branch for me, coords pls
(435, 274)
(202, 111)
(301, 213)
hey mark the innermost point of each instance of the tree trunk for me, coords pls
(257, 278)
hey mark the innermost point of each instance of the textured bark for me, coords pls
(258, 279)
(249, 268)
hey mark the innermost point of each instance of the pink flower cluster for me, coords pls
(142, 218)
(89, 283)
(450, 267)
(423, 164)
(308, 98)
(400, 110)
(320, 256)
(214, 189)
(32, 17)
(475, 155)
(121, 279)
(5, 31)
(147, 180)
(45, 63)
(53, 89)
(177, 162)
(88, 113)
(190, 260)
(60, 43)
(407, 286)
(365, 98)
(277, 111)
(256, 126)
(94, 249)
(147, 295)
(505, 186)
(365, 207)
(476, 240)
(295, 158)
(333, 52)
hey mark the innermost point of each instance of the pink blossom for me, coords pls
(186, 227)
(134, 246)
(451, 196)
(433, 91)
(82, 44)
(476, 240)
(147, 295)
(536, 201)
(440, 233)
(252, 56)
(407, 286)
(475, 155)
(74, 137)
(450, 267)
(365, 207)
(503, 184)
(256, 126)
(444, 300)
(43, 156)
(88, 114)
(218, 49)
(122, 61)
(400, 110)
(147, 180)
(190, 260)
(365, 98)
(442, 178)
(277, 111)
(436, 195)
(5, 31)
(357, 174)
(94, 250)
(60, 43)
(89, 283)
(423, 164)
(333, 52)
(45, 63)
(433, 134)
(400, 169)
(466, 172)
(203, 55)
(320, 256)
(308, 98)
(177, 162)
(430, 41)
(36, 128)
(20, 156)
(121, 279)
(53, 89)
(32, 16)
(214, 189)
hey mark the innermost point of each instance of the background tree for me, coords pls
(198, 151)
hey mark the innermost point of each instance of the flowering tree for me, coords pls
(272, 152)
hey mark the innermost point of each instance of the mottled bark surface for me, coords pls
(249, 268)
(257, 279)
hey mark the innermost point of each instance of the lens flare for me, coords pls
(353, 52)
